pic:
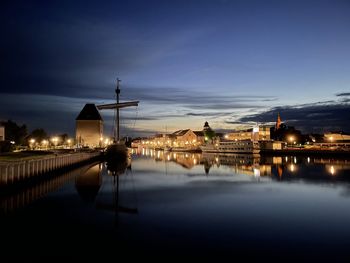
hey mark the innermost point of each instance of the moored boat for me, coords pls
(118, 149)
(227, 146)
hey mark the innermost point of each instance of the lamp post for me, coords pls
(31, 143)
(291, 139)
(55, 141)
(44, 143)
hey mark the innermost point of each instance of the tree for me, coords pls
(14, 132)
(63, 137)
(209, 135)
(39, 134)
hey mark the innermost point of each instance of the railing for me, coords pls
(15, 171)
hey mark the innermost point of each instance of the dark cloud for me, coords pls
(343, 94)
(223, 106)
(316, 117)
(206, 114)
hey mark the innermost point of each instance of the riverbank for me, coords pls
(309, 152)
(20, 167)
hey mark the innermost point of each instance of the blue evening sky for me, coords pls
(232, 63)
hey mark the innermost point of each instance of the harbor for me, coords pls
(175, 130)
(193, 205)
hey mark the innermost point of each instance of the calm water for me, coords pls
(184, 205)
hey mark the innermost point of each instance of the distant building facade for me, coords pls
(186, 138)
(261, 133)
(336, 137)
(89, 127)
(2, 133)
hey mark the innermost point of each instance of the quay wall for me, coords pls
(15, 171)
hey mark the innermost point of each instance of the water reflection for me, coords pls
(88, 183)
(276, 167)
(24, 196)
(117, 168)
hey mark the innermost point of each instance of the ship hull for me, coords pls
(248, 147)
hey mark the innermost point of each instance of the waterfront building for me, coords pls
(261, 133)
(271, 145)
(184, 138)
(336, 137)
(89, 127)
(200, 137)
(2, 133)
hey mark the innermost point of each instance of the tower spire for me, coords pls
(278, 122)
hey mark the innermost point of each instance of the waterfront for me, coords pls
(183, 204)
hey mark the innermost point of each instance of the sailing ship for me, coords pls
(118, 147)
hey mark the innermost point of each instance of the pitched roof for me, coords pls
(180, 132)
(199, 133)
(89, 112)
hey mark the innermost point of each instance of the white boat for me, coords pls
(226, 146)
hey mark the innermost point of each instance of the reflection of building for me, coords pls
(260, 133)
(248, 164)
(185, 159)
(88, 183)
(2, 133)
(89, 126)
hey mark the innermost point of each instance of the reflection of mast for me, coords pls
(117, 169)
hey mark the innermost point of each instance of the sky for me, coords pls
(231, 63)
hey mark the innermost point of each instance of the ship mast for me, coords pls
(117, 91)
(116, 106)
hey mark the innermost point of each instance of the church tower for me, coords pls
(278, 122)
(206, 126)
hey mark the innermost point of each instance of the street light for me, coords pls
(291, 139)
(55, 141)
(44, 143)
(69, 142)
(31, 143)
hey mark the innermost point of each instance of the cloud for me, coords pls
(317, 117)
(343, 94)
